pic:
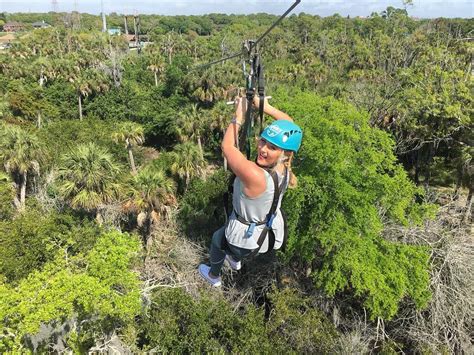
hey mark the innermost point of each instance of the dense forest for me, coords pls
(111, 183)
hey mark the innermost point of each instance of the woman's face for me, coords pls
(268, 154)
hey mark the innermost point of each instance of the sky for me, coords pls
(420, 8)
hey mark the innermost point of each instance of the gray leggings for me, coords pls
(218, 254)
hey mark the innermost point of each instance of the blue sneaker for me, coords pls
(204, 272)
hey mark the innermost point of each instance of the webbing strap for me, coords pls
(244, 139)
(261, 94)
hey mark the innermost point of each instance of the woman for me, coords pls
(254, 190)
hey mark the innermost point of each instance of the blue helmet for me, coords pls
(284, 134)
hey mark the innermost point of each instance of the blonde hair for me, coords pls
(286, 159)
(287, 163)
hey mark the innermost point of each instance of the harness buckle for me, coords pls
(250, 230)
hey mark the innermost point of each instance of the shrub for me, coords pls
(34, 238)
(177, 323)
(95, 293)
(350, 182)
(201, 212)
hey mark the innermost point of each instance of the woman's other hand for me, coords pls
(240, 109)
(256, 103)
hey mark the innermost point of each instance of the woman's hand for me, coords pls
(270, 110)
(240, 109)
(256, 103)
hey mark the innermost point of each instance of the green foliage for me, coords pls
(176, 322)
(201, 212)
(349, 183)
(64, 135)
(34, 238)
(88, 177)
(151, 192)
(7, 194)
(187, 162)
(411, 76)
(20, 150)
(295, 324)
(63, 98)
(97, 290)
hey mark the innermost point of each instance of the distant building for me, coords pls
(132, 41)
(13, 26)
(40, 24)
(114, 31)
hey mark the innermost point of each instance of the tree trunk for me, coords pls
(468, 206)
(187, 181)
(38, 123)
(23, 190)
(469, 199)
(98, 217)
(16, 200)
(200, 147)
(79, 100)
(132, 160)
(148, 238)
(458, 183)
(156, 78)
(429, 160)
(417, 168)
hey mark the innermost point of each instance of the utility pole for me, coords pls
(76, 18)
(54, 5)
(136, 25)
(126, 24)
(104, 21)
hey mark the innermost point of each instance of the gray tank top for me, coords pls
(254, 210)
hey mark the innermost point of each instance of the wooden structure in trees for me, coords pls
(13, 26)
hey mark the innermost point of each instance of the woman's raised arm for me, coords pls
(249, 173)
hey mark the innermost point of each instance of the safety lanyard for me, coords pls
(255, 85)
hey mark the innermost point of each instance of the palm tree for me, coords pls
(89, 177)
(151, 194)
(157, 67)
(131, 134)
(208, 86)
(189, 126)
(220, 117)
(84, 79)
(20, 154)
(82, 86)
(170, 43)
(187, 162)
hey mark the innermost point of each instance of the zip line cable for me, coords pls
(245, 50)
